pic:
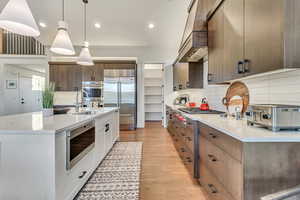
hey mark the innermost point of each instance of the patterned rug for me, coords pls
(118, 176)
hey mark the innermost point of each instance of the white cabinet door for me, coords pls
(116, 126)
(100, 141)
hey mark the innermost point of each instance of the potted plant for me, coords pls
(48, 98)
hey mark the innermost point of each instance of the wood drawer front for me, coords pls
(226, 169)
(215, 190)
(232, 146)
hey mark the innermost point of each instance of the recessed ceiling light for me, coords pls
(151, 26)
(43, 24)
(97, 25)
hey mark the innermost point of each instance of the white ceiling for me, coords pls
(124, 22)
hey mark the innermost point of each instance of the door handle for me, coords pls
(82, 175)
(246, 66)
(212, 158)
(240, 67)
(213, 189)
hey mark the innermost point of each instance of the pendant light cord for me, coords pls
(63, 10)
(85, 21)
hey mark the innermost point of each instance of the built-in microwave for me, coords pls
(80, 141)
(92, 91)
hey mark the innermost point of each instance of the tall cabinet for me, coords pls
(247, 37)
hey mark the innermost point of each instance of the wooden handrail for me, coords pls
(283, 195)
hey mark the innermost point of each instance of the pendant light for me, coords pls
(85, 57)
(16, 17)
(62, 43)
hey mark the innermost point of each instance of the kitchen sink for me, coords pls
(198, 111)
(84, 113)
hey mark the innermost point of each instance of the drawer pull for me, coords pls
(213, 189)
(212, 158)
(182, 134)
(189, 159)
(213, 135)
(82, 175)
(189, 139)
(182, 149)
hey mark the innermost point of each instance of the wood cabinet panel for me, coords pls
(264, 37)
(233, 39)
(212, 186)
(226, 169)
(93, 73)
(230, 145)
(65, 77)
(216, 46)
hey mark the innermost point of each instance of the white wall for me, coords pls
(11, 67)
(273, 88)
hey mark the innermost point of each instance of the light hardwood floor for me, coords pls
(164, 176)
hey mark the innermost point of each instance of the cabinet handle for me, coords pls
(209, 77)
(189, 139)
(240, 67)
(106, 128)
(246, 66)
(213, 189)
(82, 175)
(212, 158)
(189, 159)
(213, 135)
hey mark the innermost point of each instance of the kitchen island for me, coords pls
(51, 158)
(237, 161)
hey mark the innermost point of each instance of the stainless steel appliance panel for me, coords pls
(80, 141)
(120, 91)
(274, 117)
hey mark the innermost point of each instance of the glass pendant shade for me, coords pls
(16, 17)
(62, 43)
(85, 57)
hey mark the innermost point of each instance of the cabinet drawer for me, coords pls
(226, 169)
(232, 146)
(211, 185)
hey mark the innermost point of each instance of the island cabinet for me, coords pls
(34, 160)
(231, 169)
(248, 37)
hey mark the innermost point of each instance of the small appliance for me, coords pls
(274, 116)
(92, 93)
(204, 105)
(182, 99)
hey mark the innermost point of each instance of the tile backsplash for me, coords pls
(276, 88)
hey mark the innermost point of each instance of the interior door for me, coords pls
(216, 46)
(233, 39)
(264, 35)
(27, 96)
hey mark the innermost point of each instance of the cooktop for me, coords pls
(198, 111)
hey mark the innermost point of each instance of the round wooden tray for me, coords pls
(237, 88)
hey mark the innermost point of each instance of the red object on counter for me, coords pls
(192, 104)
(204, 106)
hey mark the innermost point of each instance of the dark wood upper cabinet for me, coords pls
(216, 46)
(93, 73)
(247, 37)
(188, 75)
(66, 77)
(233, 39)
(264, 39)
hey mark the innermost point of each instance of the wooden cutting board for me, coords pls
(237, 89)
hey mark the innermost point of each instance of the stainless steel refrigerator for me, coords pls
(120, 91)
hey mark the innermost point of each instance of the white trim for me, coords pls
(74, 59)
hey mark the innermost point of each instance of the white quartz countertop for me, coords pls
(239, 129)
(35, 123)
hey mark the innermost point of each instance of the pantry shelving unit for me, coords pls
(154, 91)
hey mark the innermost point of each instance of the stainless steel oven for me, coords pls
(80, 141)
(92, 91)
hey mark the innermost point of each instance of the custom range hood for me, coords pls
(194, 41)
